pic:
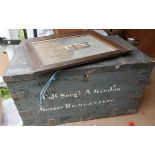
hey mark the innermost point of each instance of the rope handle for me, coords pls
(43, 91)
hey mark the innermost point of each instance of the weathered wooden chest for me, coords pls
(101, 89)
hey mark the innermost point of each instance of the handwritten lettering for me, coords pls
(71, 106)
(77, 94)
(87, 92)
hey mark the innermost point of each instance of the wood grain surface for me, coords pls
(145, 39)
(64, 31)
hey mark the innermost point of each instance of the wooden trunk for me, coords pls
(101, 89)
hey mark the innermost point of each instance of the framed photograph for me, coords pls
(66, 50)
